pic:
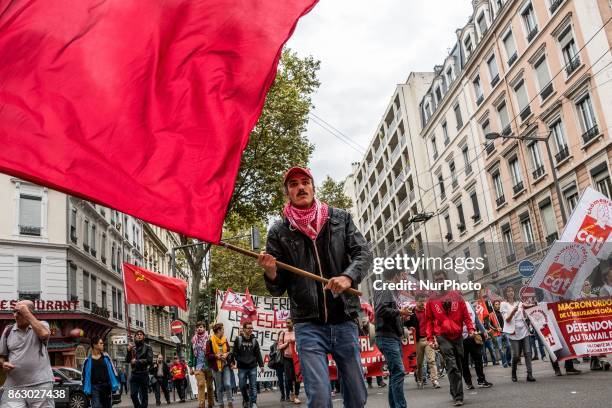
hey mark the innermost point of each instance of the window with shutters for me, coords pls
(504, 119)
(515, 171)
(543, 77)
(29, 285)
(86, 290)
(103, 294)
(478, 90)
(94, 291)
(114, 301)
(30, 209)
(72, 282)
(493, 70)
(73, 225)
(527, 232)
(86, 235)
(586, 114)
(510, 47)
(458, 117)
(571, 197)
(92, 241)
(549, 222)
(522, 100)
(529, 19)
(558, 133)
(475, 206)
(571, 58)
(601, 179)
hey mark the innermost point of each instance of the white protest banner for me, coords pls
(591, 223)
(542, 320)
(266, 323)
(564, 269)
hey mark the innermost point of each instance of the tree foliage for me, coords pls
(332, 193)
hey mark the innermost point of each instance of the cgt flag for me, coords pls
(142, 106)
(144, 287)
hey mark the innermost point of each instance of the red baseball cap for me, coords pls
(297, 170)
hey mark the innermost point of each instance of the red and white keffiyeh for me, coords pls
(309, 221)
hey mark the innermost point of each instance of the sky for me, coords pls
(365, 49)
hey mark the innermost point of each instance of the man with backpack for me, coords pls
(248, 356)
(24, 357)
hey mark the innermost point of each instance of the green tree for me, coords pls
(332, 193)
(276, 143)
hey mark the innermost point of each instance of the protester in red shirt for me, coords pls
(178, 371)
(424, 350)
(446, 313)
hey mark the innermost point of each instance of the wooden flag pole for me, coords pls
(285, 266)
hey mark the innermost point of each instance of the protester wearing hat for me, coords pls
(323, 240)
(141, 360)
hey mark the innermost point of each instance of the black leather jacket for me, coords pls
(144, 358)
(346, 253)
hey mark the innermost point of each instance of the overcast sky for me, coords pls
(367, 47)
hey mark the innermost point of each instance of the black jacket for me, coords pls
(144, 358)
(165, 370)
(247, 352)
(341, 250)
(388, 321)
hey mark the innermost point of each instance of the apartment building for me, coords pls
(65, 254)
(520, 69)
(392, 184)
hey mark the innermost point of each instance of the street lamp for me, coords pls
(495, 135)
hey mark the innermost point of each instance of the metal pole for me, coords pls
(556, 180)
(173, 261)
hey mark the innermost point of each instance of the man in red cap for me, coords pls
(322, 240)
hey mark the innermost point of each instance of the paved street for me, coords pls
(590, 389)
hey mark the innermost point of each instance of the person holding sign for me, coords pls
(518, 332)
(325, 241)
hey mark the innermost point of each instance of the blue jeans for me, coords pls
(503, 344)
(392, 350)
(533, 338)
(248, 375)
(223, 383)
(488, 345)
(101, 396)
(314, 343)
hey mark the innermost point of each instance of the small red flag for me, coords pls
(142, 106)
(144, 287)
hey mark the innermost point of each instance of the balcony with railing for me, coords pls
(510, 258)
(500, 200)
(29, 230)
(512, 59)
(573, 65)
(495, 81)
(518, 187)
(546, 92)
(525, 113)
(550, 239)
(562, 155)
(532, 34)
(590, 134)
(555, 5)
(538, 172)
(476, 217)
(480, 99)
(489, 147)
(530, 248)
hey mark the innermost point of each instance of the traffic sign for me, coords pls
(176, 327)
(526, 268)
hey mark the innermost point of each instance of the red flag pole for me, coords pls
(287, 267)
(127, 311)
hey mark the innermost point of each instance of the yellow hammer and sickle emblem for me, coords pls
(139, 277)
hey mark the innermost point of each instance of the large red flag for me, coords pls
(143, 106)
(144, 287)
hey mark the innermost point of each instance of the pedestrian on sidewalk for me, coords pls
(199, 365)
(217, 354)
(178, 371)
(25, 359)
(123, 381)
(248, 356)
(389, 332)
(285, 345)
(141, 359)
(502, 339)
(160, 373)
(99, 376)
(316, 237)
(446, 314)
(516, 327)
